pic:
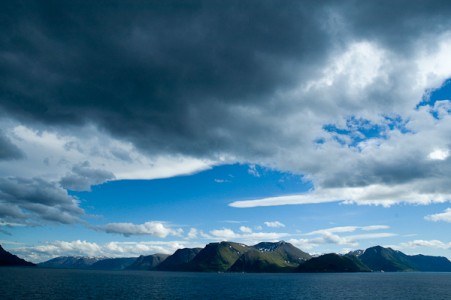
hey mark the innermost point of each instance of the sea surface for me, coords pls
(36, 283)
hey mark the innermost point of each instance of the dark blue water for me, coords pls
(34, 283)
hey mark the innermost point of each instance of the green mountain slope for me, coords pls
(332, 263)
(426, 263)
(270, 257)
(386, 259)
(217, 257)
(179, 260)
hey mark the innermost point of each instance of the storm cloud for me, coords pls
(238, 81)
(8, 150)
(31, 201)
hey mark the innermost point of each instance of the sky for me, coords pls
(129, 128)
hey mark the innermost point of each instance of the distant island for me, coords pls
(265, 257)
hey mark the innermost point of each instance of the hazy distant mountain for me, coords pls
(426, 263)
(70, 262)
(113, 263)
(8, 259)
(147, 262)
(217, 257)
(386, 259)
(332, 263)
(270, 257)
(179, 260)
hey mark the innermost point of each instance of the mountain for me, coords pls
(113, 263)
(262, 257)
(8, 259)
(270, 257)
(70, 262)
(426, 263)
(332, 263)
(147, 262)
(386, 259)
(217, 257)
(178, 260)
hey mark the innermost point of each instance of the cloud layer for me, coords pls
(336, 92)
(50, 250)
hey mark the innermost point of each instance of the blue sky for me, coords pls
(202, 201)
(135, 128)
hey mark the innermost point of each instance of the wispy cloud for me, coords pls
(151, 228)
(274, 224)
(342, 229)
(332, 236)
(253, 171)
(444, 216)
(217, 180)
(245, 229)
(425, 243)
(245, 236)
(376, 194)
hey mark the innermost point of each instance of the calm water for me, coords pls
(17, 283)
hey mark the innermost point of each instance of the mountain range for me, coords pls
(265, 257)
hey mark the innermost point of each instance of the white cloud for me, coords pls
(244, 237)
(339, 229)
(233, 221)
(360, 65)
(444, 216)
(370, 236)
(253, 171)
(342, 229)
(221, 180)
(84, 248)
(331, 236)
(328, 238)
(63, 150)
(152, 228)
(245, 229)
(425, 243)
(374, 227)
(375, 194)
(192, 234)
(439, 154)
(224, 233)
(274, 224)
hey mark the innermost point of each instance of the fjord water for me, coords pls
(35, 283)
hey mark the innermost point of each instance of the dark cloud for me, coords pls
(8, 150)
(83, 177)
(396, 24)
(251, 81)
(164, 75)
(169, 76)
(36, 200)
